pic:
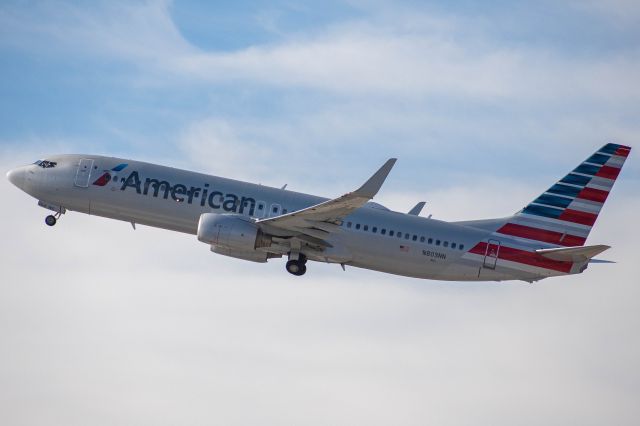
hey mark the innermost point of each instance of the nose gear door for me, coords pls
(84, 172)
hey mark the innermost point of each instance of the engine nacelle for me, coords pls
(233, 235)
(253, 256)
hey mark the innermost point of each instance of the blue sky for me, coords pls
(484, 103)
(419, 80)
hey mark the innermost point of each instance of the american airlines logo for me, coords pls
(107, 175)
(180, 193)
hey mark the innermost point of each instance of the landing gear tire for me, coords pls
(296, 267)
(50, 220)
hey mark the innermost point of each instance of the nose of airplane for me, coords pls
(16, 177)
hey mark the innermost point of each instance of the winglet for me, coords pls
(372, 186)
(415, 211)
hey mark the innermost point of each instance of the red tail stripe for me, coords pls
(608, 172)
(525, 257)
(576, 216)
(623, 151)
(544, 235)
(593, 194)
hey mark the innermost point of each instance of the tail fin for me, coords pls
(566, 212)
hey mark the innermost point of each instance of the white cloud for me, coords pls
(397, 57)
(100, 321)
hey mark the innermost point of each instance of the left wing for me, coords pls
(320, 220)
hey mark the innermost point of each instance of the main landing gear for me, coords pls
(297, 266)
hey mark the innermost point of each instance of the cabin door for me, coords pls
(84, 173)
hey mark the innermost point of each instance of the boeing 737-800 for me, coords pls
(257, 223)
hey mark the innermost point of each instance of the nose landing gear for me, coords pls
(51, 220)
(297, 266)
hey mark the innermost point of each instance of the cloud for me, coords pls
(396, 57)
(129, 326)
(99, 321)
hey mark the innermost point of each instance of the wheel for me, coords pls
(50, 220)
(296, 267)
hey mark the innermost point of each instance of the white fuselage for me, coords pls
(175, 199)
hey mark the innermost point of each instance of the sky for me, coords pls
(485, 104)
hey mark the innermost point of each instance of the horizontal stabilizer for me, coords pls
(573, 254)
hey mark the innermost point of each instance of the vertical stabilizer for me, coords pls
(565, 213)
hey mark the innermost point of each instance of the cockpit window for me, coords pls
(46, 164)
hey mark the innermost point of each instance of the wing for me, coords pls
(318, 221)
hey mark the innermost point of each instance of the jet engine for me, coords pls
(234, 236)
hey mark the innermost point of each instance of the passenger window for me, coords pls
(430, 241)
(437, 242)
(422, 239)
(348, 224)
(453, 245)
(284, 211)
(446, 243)
(391, 233)
(399, 234)
(357, 226)
(374, 230)
(366, 227)
(415, 238)
(406, 236)
(383, 231)
(461, 247)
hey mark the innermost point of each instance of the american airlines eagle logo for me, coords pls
(107, 175)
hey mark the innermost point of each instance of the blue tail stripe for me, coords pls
(536, 210)
(587, 169)
(553, 200)
(598, 159)
(576, 179)
(569, 191)
(610, 148)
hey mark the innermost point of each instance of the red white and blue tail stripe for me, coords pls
(561, 217)
(565, 213)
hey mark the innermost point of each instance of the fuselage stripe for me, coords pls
(525, 257)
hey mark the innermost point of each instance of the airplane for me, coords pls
(258, 223)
